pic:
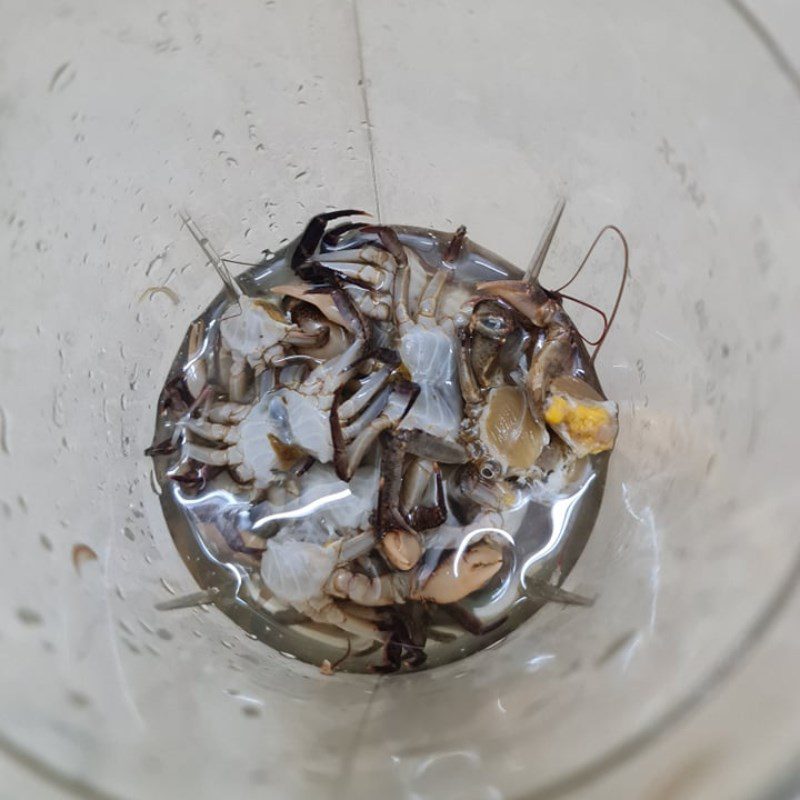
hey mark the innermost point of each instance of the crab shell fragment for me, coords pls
(510, 434)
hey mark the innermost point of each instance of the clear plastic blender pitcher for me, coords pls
(678, 122)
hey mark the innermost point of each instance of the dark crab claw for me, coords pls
(194, 475)
(166, 447)
(311, 237)
(389, 239)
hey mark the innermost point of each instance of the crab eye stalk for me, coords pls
(490, 470)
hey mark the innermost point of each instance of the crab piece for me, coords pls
(323, 503)
(457, 576)
(509, 439)
(255, 332)
(311, 404)
(255, 436)
(470, 492)
(484, 326)
(370, 272)
(381, 409)
(557, 352)
(419, 476)
(297, 572)
(581, 416)
(575, 410)
(401, 548)
(195, 372)
(310, 318)
(401, 515)
(285, 425)
(310, 239)
(427, 348)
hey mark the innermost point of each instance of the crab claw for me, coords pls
(313, 233)
(324, 301)
(533, 302)
(401, 548)
(389, 239)
(456, 577)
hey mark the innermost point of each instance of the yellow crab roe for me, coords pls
(583, 422)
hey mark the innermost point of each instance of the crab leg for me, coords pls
(466, 376)
(455, 245)
(456, 576)
(424, 518)
(553, 359)
(209, 455)
(460, 574)
(354, 429)
(431, 296)
(195, 369)
(397, 406)
(322, 298)
(372, 266)
(416, 480)
(373, 304)
(384, 591)
(228, 412)
(214, 431)
(368, 388)
(237, 380)
(329, 612)
(399, 543)
(425, 445)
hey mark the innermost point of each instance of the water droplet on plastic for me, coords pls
(78, 699)
(4, 433)
(231, 161)
(218, 135)
(27, 616)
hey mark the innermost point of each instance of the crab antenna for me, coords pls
(537, 262)
(213, 256)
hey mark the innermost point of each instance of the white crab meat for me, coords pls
(429, 354)
(256, 436)
(309, 424)
(253, 329)
(296, 571)
(301, 557)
